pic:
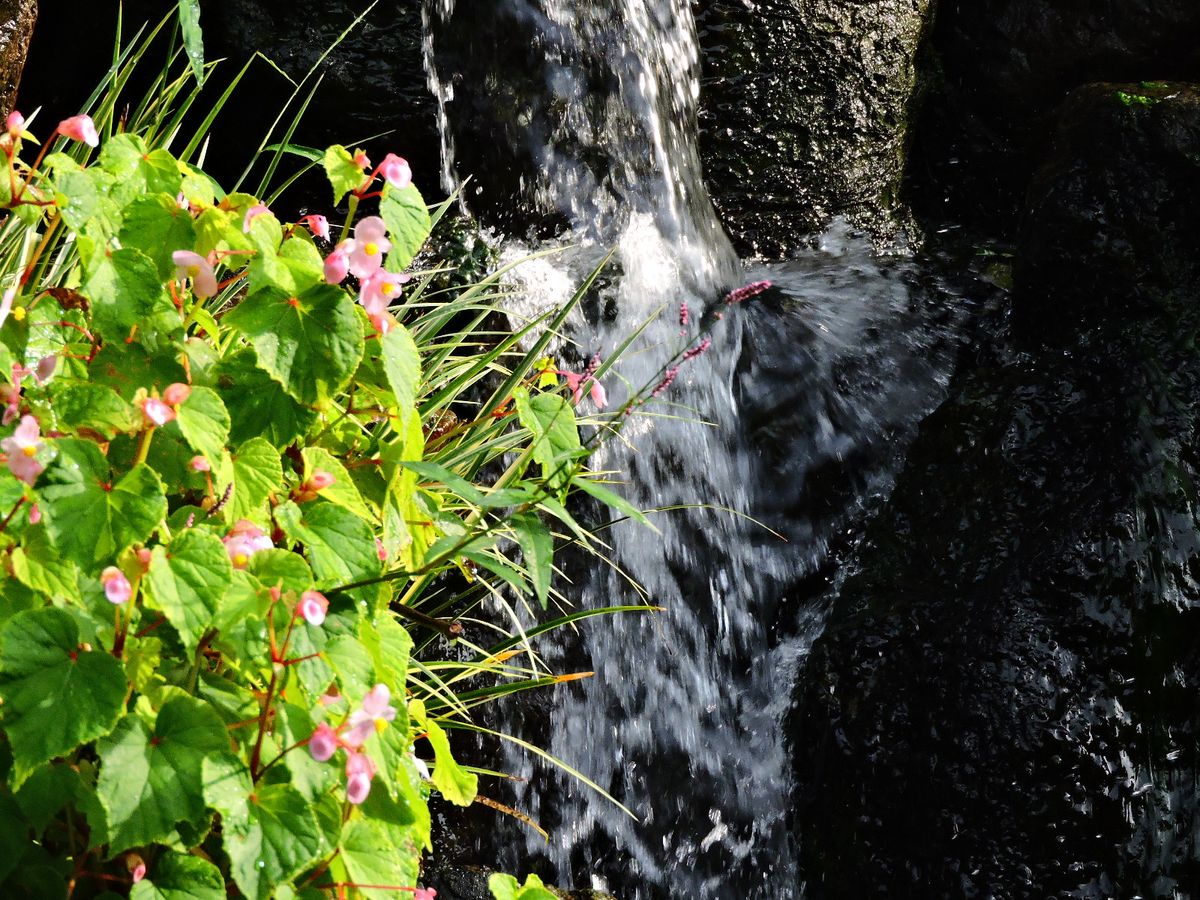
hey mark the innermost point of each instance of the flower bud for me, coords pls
(80, 128)
(176, 393)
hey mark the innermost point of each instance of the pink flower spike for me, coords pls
(196, 267)
(116, 586)
(370, 243)
(313, 607)
(200, 464)
(337, 263)
(156, 411)
(745, 293)
(80, 128)
(253, 213)
(176, 393)
(396, 171)
(15, 123)
(22, 449)
(323, 743)
(318, 225)
(243, 541)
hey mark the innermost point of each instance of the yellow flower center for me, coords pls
(19, 313)
(387, 289)
(240, 560)
(371, 248)
(30, 450)
(193, 271)
(381, 725)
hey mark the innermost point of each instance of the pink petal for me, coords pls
(80, 128)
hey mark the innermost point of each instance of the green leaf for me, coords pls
(125, 291)
(193, 38)
(90, 519)
(311, 344)
(454, 782)
(93, 409)
(408, 223)
(38, 566)
(340, 546)
(344, 174)
(188, 581)
(150, 778)
(55, 695)
(281, 840)
(613, 499)
(138, 169)
(257, 473)
(373, 856)
(180, 876)
(281, 568)
(158, 227)
(556, 436)
(258, 405)
(537, 545)
(343, 491)
(402, 366)
(204, 421)
(505, 887)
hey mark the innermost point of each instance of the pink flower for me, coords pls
(745, 293)
(337, 263)
(156, 411)
(15, 123)
(381, 322)
(80, 128)
(22, 449)
(318, 225)
(370, 243)
(196, 267)
(424, 894)
(313, 607)
(361, 159)
(138, 873)
(320, 479)
(360, 769)
(176, 393)
(396, 170)
(200, 464)
(116, 586)
(253, 213)
(182, 202)
(598, 394)
(45, 368)
(577, 384)
(35, 514)
(243, 541)
(380, 289)
(373, 716)
(381, 550)
(323, 743)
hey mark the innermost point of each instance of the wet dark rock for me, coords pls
(17, 18)
(1113, 220)
(805, 110)
(1004, 701)
(994, 72)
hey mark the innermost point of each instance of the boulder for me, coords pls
(1003, 702)
(1112, 222)
(17, 18)
(805, 112)
(994, 71)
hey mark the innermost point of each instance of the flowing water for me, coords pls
(797, 417)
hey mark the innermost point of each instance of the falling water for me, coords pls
(795, 417)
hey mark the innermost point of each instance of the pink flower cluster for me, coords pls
(578, 382)
(10, 394)
(243, 541)
(158, 411)
(22, 450)
(372, 716)
(362, 257)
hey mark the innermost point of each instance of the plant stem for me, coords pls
(144, 446)
(12, 512)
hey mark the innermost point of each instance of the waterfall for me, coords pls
(795, 417)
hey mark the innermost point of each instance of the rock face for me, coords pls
(996, 70)
(1004, 701)
(17, 18)
(805, 109)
